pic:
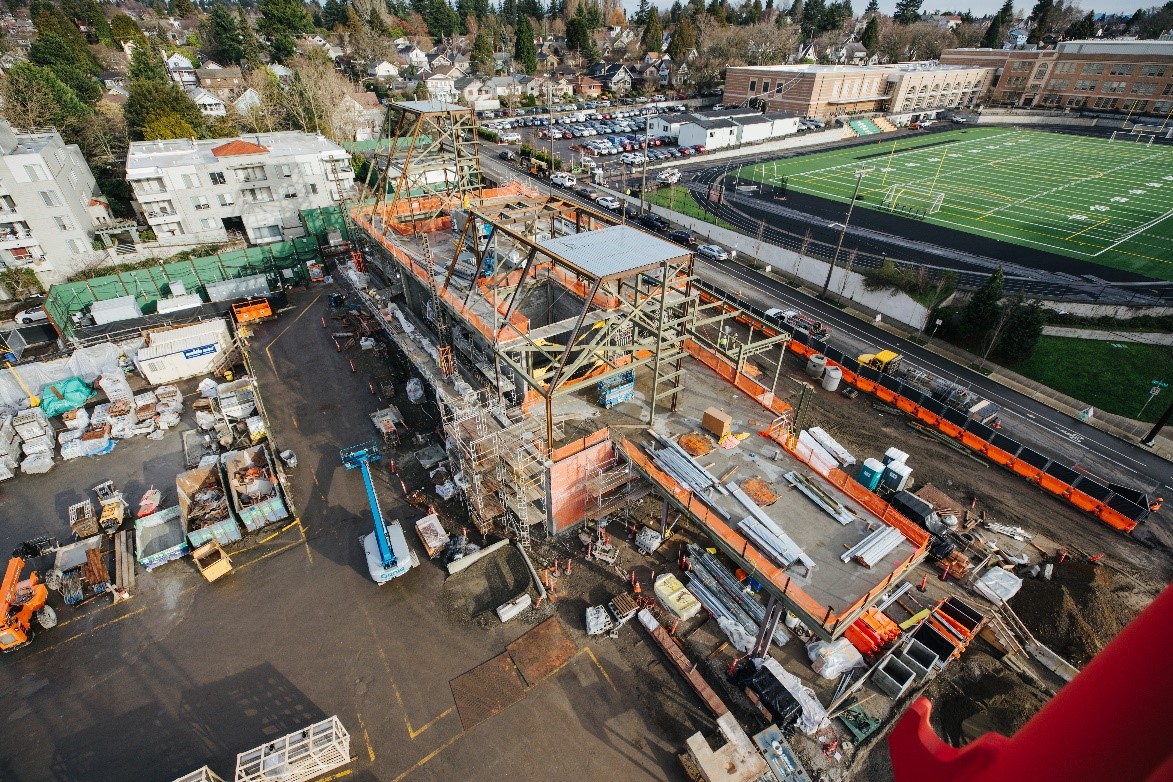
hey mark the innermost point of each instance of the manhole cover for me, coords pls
(542, 650)
(487, 690)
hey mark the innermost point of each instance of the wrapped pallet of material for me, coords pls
(116, 387)
(31, 423)
(76, 420)
(169, 398)
(37, 464)
(35, 445)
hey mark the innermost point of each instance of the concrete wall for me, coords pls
(1104, 310)
(565, 494)
(992, 117)
(889, 303)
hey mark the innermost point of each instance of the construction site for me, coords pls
(625, 526)
(586, 381)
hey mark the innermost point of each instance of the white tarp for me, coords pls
(86, 363)
(998, 585)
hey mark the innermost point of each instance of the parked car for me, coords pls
(506, 154)
(682, 237)
(653, 222)
(586, 192)
(563, 179)
(31, 315)
(608, 202)
(713, 252)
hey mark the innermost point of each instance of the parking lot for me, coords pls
(189, 672)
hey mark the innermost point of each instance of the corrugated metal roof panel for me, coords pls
(617, 249)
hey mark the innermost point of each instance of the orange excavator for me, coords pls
(22, 601)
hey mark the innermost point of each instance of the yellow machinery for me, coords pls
(21, 601)
(885, 360)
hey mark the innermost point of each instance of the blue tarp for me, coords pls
(65, 395)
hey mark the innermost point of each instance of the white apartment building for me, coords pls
(49, 205)
(198, 192)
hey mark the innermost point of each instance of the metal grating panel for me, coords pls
(542, 650)
(486, 690)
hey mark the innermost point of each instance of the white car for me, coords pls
(713, 252)
(668, 176)
(608, 202)
(510, 138)
(35, 314)
(563, 179)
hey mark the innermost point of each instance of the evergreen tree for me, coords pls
(653, 37)
(683, 40)
(280, 21)
(1084, 28)
(49, 18)
(509, 11)
(524, 51)
(871, 35)
(641, 14)
(907, 11)
(124, 28)
(250, 47)
(56, 55)
(482, 54)
(147, 65)
(873, 8)
(981, 313)
(35, 97)
(796, 11)
(677, 10)
(151, 101)
(221, 37)
(333, 14)
(89, 14)
(182, 8)
(1020, 335)
(811, 19)
(376, 23)
(167, 126)
(578, 37)
(994, 33)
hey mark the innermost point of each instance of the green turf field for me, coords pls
(1108, 202)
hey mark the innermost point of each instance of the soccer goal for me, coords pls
(913, 199)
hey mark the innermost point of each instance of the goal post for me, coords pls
(912, 198)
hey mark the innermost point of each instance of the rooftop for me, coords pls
(614, 251)
(187, 152)
(428, 106)
(1157, 48)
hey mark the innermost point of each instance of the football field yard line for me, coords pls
(1085, 230)
(1155, 221)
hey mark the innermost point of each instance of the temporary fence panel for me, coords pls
(301, 755)
(204, 774)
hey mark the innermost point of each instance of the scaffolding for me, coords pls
(473, 447)
(612, 486)
(521, 472)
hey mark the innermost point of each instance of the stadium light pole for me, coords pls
(859, 175)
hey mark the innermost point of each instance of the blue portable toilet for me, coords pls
(870, 472)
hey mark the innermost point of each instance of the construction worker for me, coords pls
(1155, 505)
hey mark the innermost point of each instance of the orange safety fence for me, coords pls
(1032, 474)
(748, 385)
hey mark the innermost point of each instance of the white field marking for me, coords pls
(1130, 234)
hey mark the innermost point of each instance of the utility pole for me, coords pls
(643, 184)
(1150, 439)
(859, 175)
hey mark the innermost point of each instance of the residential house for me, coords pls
(181, 70)
(615, 78)
(210, 104)
(469, 90)
(50, 207)
(649, 76)
(360, 117)
(505, 88)
(548, 61)
(1017, 37)
(587, 87)
(195, 192)
(247, 102)
(442, 85)
(503, 62)
(223, 82)
(560, 86)
(282, 73)
(383, 69)
(414, 56)
(112, 79)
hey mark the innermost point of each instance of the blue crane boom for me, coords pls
(389, 555)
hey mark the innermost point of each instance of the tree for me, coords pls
(182, 8)
(89, 14)
(578, 37)
(167, 126)
(332, 14)
(981, 313)
(376, 23)
(683, 40)
(1020, 334)
(147, 65)
(653, 37)
(994, 33)
(35, 98)
(871, 34)
(250, 47)
(642, 13)
(482, 54)
(150, 100)
(280, 21)
(873, 8)
(524, 51)
(907, 11)
(1084, 28)
(123, 28)
(1041, 16)
(222, 39)
(55, 54)
(796, 11)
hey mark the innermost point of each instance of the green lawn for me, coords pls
(1111, 376)
(1108, 202)
(679, 199)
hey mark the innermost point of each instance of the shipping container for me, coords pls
(176, 354)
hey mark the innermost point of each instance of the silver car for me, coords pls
(713, 252)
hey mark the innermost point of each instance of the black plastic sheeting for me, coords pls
(1125, 507)
(851, 365)
(1063, 473)
(978, 429)
(933, 406)
(891, 383)
(777, 700)
(1005, 443)
(1034, 458)
(869, 373)
(1089, 487)
(833, 354)
(956, 417)
(1135, 496)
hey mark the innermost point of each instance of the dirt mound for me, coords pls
(474, 594)
(1078, 612)
(981, 696)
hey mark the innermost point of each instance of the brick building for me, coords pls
(827, 91)
(1132, 77)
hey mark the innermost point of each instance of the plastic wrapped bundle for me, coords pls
(72, 449)
(37, 464)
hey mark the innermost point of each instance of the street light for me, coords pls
(859, 175)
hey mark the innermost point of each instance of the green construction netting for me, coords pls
(150, 284)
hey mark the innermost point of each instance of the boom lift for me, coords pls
(388, 555)
(23, 600)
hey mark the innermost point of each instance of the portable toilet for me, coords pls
(894, 454)
(896, 477)
(870, 472)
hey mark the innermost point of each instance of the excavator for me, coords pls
(23, 600)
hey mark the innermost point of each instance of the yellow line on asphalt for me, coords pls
(339, 775)
(281, 334)
(428, 757)
(366, 737)
(599, 665)
(274, 552)
(413, 733)
(91, 631)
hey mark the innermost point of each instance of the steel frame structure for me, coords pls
(431, 156)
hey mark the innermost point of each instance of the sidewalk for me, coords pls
(1140, 337)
